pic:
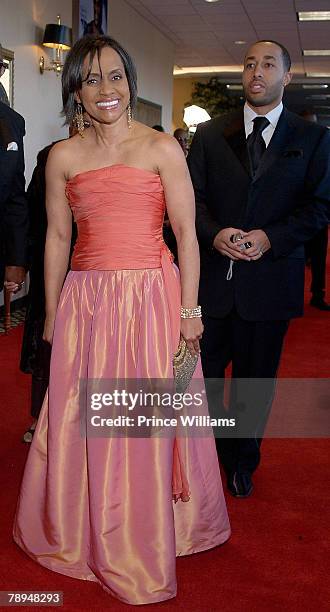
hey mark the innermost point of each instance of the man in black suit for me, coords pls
(262, 185)
(13, 206)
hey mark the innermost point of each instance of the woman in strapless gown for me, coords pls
(101, 508)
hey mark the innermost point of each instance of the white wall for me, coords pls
(152, 53)
(37, 97)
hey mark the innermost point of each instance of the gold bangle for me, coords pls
(191, 313)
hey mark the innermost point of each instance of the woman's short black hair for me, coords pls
(72, 76)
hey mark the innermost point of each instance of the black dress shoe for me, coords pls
(240, 485)
(320, 303)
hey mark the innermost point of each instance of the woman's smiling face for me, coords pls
(105, 92)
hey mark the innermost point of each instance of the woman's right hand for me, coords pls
(192, 330)
(49, 329)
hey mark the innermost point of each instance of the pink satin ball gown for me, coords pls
(101, 508)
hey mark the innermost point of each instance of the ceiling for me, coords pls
(204, 33)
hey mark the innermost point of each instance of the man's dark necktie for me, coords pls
(255, 142)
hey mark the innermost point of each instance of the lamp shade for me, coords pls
(57, 36)
(193, 115)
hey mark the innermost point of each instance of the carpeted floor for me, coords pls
(278, 556)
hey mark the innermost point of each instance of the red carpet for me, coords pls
(278, 556)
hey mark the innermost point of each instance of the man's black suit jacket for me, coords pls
(13, 206)
(288, 198)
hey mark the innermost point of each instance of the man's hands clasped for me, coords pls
(239, 245)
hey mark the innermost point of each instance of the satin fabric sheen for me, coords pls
(101, 509)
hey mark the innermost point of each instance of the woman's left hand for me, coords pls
(192, 330)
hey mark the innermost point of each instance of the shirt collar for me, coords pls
(273, 115)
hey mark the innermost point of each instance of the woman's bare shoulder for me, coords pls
(62, 154)
(160, 145)
(167, 152)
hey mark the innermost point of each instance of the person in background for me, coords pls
(182, 136)
(35, 352)
(158, 128)
(13, 205)
(316, 251)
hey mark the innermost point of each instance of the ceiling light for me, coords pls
(235, 87)
(205, 69)
(240, 42)
(311, 52)
(319, 97)
(314, 15)
(315, 86)
(318, 75)
(211, 0)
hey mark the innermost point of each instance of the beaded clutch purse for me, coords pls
(184, 365)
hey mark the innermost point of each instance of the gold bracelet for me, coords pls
(191, 313)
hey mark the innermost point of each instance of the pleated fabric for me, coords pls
(101, 508)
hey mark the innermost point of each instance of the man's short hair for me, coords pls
(285, 53)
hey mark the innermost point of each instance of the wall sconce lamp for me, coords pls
(57, 37)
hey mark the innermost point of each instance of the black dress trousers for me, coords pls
(254, 349)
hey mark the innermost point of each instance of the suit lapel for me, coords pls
(275, 147)
(234, 134)
(6, 135)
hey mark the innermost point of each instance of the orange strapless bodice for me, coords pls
(119, 211)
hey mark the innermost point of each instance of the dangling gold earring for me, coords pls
(129, 116)
(79, 120)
